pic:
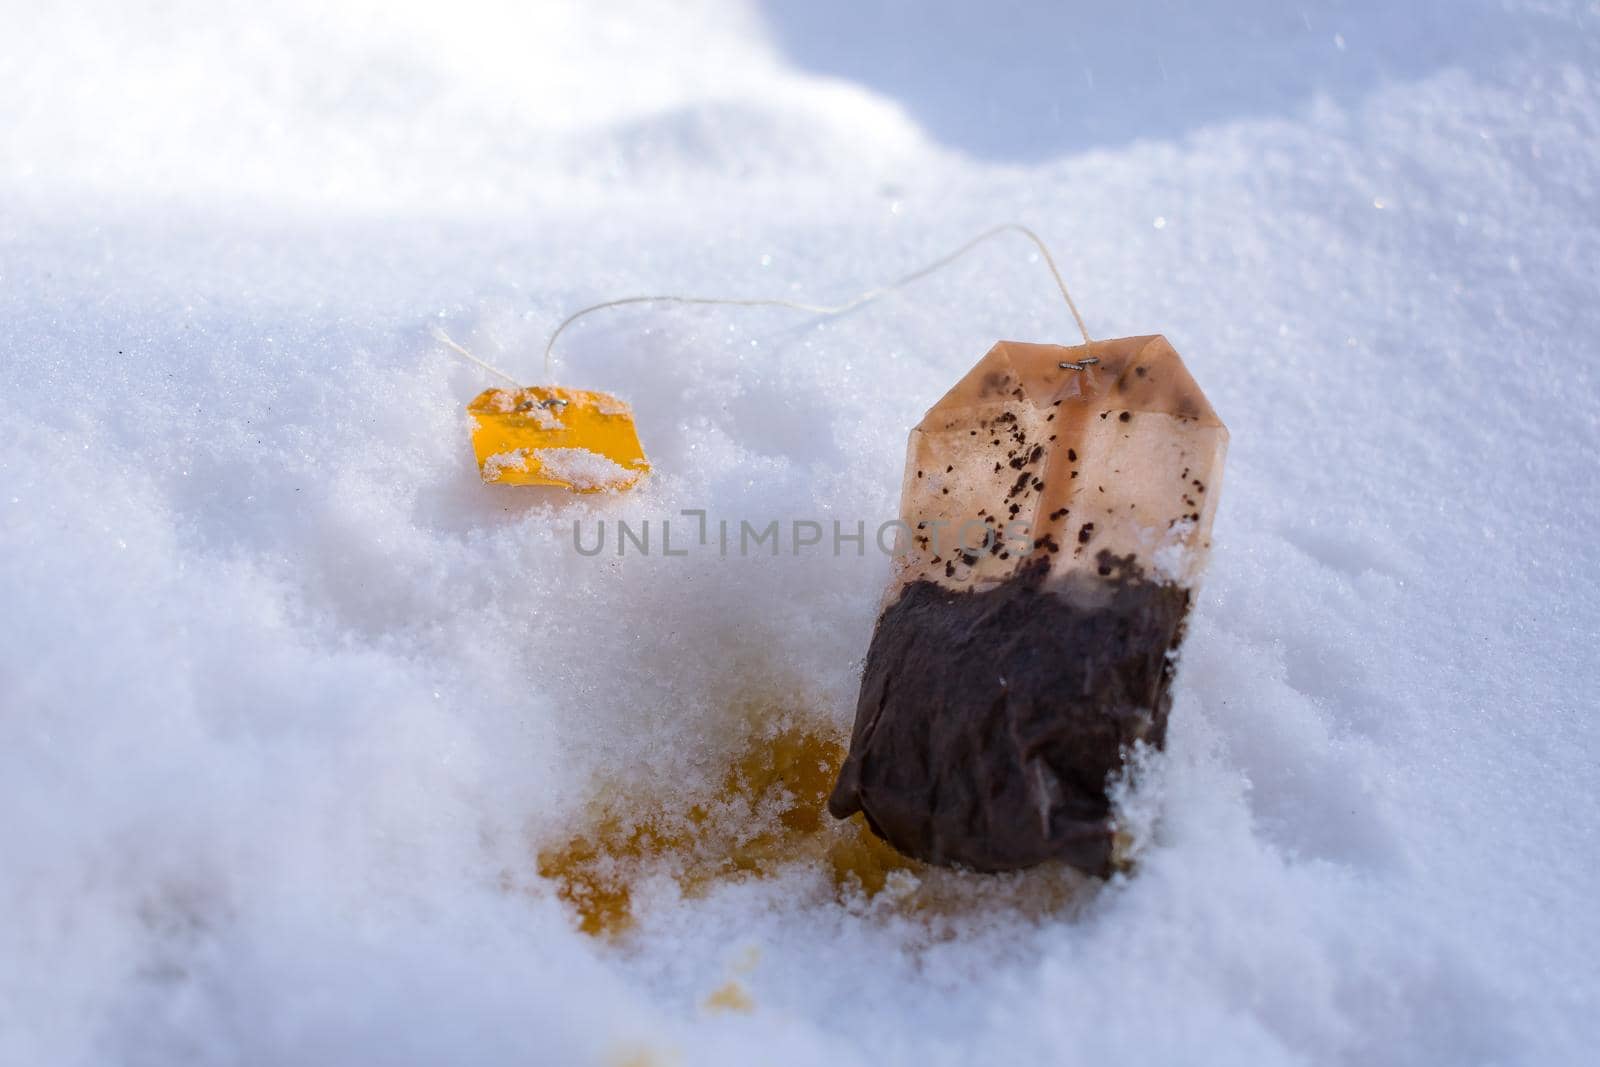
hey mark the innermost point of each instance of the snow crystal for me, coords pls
(582, 468)
(546, 418)
(607, 404)
(500, 462)
(1170, 556)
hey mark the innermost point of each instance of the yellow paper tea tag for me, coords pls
(543, 435)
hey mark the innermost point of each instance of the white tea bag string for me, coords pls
(445, 339)
(854, 302)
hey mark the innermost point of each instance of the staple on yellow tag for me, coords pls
(544, 435)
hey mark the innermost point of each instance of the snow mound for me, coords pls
(297, 716)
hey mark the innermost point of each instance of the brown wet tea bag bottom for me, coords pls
(991, 721)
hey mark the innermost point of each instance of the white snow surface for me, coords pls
(582, 468)
(288, 696)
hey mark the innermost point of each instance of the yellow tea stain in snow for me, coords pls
(634, 1056)
(730, 997)
(769, 813)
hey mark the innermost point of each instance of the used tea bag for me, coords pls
(1059, 504)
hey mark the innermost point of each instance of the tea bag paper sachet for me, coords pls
(1059, 502)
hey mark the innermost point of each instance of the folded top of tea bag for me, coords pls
(1092, 455)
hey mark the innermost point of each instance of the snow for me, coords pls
(290, 701)
(582, 468)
